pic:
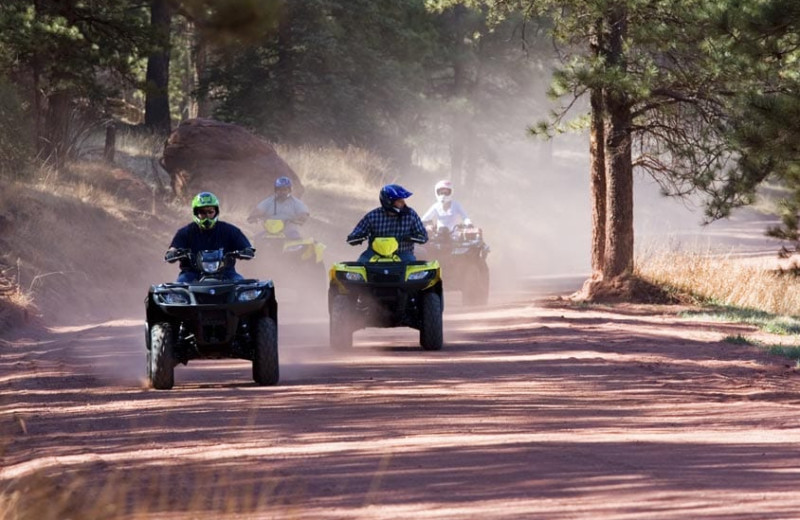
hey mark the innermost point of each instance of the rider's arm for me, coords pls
(418, 229)
(301, 212)
(360, 232)
(430, 215)
(459, 209)
(179, 242)
(259, 212)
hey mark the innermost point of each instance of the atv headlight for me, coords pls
(171, 298)
(210, 267)
(419, 275)
(353, 277)
(249, 295)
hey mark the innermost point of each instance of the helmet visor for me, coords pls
(206, 212)
(444, 191)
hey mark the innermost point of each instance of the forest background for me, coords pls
(700, 96)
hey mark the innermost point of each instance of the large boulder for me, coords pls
(209, 155)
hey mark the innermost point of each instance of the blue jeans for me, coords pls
(192, 276)
(369, 253)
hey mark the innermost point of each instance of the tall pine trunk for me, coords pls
(156, 105)
(618, 254)
(597, 176)
(597, 182)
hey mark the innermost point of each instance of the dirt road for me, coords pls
(533, 410)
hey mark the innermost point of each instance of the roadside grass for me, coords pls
(733, 291)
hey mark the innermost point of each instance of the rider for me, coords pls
(393, 219)
(446, 212)
(207, 232)
(282, 206)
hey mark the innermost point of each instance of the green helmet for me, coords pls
(205, 199)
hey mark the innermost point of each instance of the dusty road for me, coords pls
(532, 410)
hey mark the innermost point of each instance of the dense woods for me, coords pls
(700, 94)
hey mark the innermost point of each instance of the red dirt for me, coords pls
(534, 409)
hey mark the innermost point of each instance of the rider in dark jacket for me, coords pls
(204, 233)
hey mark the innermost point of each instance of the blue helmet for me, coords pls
(391, 193)
(283, 188)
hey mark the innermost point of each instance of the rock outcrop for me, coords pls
(238, 166)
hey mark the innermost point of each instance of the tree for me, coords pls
(156, 106)
(332, 71)
(766, 36)
(70, 55)
(661, 79)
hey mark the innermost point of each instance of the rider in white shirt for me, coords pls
(446, 212)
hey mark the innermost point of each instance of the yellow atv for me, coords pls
(292, 262)
(385, 292)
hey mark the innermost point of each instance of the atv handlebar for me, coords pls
(247, 253)
(173, 255)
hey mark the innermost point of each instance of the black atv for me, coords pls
(385, 292)
(212, 318)
(462, 254)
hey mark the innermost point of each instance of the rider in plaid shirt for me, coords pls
(392, 219)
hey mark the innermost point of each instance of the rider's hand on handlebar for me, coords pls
(173, 255)
(247, 253)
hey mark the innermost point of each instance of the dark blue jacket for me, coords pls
(222, 235)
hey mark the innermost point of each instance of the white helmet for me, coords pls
(443, 191)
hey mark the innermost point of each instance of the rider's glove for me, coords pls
(247, 253)
(172, 255)
(354, 241)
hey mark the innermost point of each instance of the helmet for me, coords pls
(391, 193)
(284, 185)
(443, 191)
(205, 199)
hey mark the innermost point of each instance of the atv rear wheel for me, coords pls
(430, 333)
(162, 360)
(341, 326)
(265, 362)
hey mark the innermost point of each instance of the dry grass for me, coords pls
(725, 280)
(331, 171)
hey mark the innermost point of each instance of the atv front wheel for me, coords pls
(341, 328)
(430, 333)
(162, 361)
(265, 362)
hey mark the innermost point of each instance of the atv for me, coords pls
(212, 318)
(385, 292)
(462, 254)
(294, 262)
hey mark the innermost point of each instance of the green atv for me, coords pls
(385, 292)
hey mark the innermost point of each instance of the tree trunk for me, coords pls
(459, 119)
(597, 174)
(156, 105)
(205, 107)
(597, 182)
(618, 254)
(57, 128)
(285, 69)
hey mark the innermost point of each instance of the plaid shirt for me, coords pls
(381, 223)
